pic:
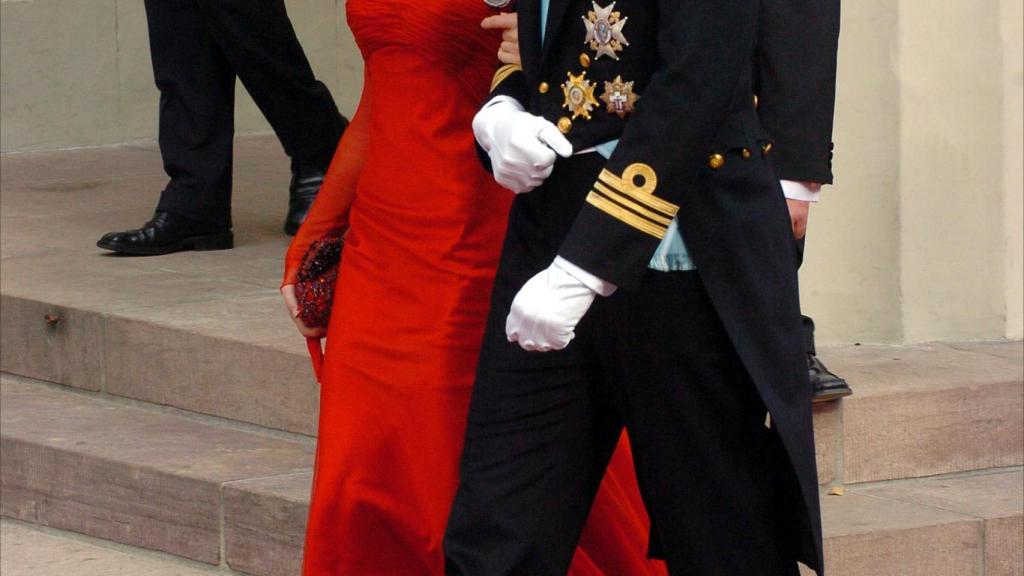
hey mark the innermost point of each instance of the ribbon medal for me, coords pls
(619, 97)
(579, 95)
(604, 31)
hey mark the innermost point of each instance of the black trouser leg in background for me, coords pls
(197, 107)
(198, 48)
(808, 323)
(258, 40)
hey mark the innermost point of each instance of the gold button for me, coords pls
(716, 161)
(766, 148)
(746, 154)
(755, 101)
(585, 60)
(543, 88)
(564, 125)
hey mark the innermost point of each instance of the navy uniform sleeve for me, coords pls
(704, 48)
(509, 81)
(795, 63)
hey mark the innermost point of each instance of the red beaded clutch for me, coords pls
(317, 276)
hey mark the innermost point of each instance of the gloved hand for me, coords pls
(548, 307)
(522, 147)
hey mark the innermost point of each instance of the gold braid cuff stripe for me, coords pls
(643, 194)
(625, 216)
(633, 203)
(634, 206)
(503, 73)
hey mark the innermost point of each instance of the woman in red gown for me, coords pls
(425, 227)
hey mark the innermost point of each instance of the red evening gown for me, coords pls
(425, 232)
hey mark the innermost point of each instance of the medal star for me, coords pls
(619, 97)
(579, 95)
(604, 31)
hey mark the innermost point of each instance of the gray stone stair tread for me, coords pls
(30, 552)
(927, 527)
(876, 370)
(987, 496)
(140, 437)
(921, 527)
(265, 523)
(137, 475)
(930, 409)
(858, 513)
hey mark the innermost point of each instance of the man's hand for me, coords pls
(798, 212)
(548, 307)
(508, 52)
(288, 292)
(522, 147)
(799, 197)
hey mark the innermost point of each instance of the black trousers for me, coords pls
(198, 48)
(808, 322)
(542, 426)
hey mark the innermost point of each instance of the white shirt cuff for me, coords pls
(804, 191)
(602, 287)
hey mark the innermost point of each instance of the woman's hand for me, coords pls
(508, 53)
(288, 292)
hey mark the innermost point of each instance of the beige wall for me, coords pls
(1013, 160)
(920, 238)
(850, 281)
(77, 72)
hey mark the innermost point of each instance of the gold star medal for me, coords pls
(604, 31)
(579, 95)
(619, 97)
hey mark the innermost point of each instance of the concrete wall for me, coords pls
(920, 239)
(77, 72)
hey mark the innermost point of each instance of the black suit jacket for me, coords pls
(795, 80)
(695, 149)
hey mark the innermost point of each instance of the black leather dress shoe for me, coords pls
(167, 233)
(827, 386)
(305, 185)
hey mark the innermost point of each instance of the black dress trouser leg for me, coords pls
(808, 322)
(542, 426)
(198, 48)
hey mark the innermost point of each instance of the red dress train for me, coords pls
(425, 232)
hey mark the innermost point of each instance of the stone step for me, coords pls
(31, 551)
(206, 332)
(922, 410)
(923, 527)
(211, 491)
(916, 411)
(132, 474)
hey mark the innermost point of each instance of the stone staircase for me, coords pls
(166, 403)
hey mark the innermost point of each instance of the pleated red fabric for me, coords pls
(425, 232)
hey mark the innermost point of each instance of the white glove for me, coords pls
(522, 146)
(548, 307)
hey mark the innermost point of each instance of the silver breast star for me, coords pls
(604, 31)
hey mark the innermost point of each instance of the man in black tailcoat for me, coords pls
(647, 281)
(795, 80)
(198, 48)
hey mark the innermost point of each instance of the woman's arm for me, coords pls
(329, 212)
